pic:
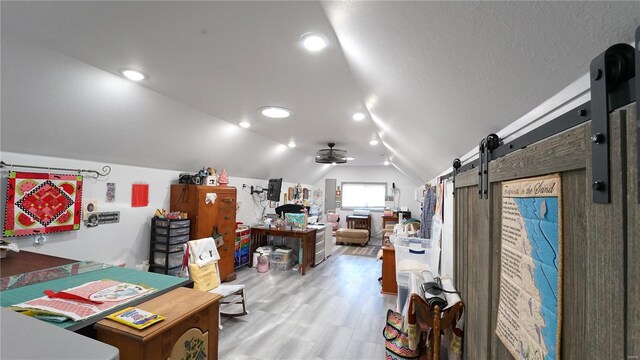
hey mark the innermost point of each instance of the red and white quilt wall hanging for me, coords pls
(40, 203)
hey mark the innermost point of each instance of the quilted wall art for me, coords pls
(41, 203)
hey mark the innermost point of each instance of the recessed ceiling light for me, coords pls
(244, 124)
(313, 42)
(133, 75)
(358, 116)
(373, 142)
(275, 112)
(386, 162)
(350, 159)
(292, 144)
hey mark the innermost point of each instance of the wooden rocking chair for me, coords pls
(432, 319)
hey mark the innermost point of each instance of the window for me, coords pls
(363, 195)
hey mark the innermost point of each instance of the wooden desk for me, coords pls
(391, 219)
(389, 284)
(307, 239)
(26, 261)
(190, 315)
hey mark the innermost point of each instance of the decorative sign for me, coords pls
(111, 192)
(105, 217)
(139, 195)
(530, 304)
(41, 203)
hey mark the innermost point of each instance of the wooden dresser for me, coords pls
(220, 214)
(191, 316)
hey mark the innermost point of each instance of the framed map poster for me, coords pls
(41, 203)
(530, 304)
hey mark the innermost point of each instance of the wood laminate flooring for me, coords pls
(335, 311)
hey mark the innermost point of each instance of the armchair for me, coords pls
(333, 218)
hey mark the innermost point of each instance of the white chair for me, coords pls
(232, 294)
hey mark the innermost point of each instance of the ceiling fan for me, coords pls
(331, 155)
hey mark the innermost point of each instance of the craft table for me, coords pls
(307, 239)
(23, 287)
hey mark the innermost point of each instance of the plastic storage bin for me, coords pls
(242, 248)
(282, 255)
(175, 259)
(263, 250)
(415, 254)
(280, 265)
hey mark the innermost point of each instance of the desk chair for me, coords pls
(433, 319)
(232, 294)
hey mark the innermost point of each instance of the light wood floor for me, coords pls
(335, 311)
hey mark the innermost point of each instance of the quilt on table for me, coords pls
(41, 203)
(105, 294)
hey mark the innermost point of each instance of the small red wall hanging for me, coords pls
(41, 203)
(139, 195)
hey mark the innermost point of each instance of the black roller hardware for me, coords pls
(608, 71)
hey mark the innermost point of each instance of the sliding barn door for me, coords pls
(601, 250)
(633, 235)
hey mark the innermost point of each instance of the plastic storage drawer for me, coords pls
(173, 223)
(172, 272)
(172, 248)
(172, 231)
(172, 239)
(175, 259)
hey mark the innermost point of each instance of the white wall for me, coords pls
(127, 241)
(251, 207)
(386, 174)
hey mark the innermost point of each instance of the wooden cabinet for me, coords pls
(389, 284)
(208, 215)
(191, 317)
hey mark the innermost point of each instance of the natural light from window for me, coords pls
(363, 195)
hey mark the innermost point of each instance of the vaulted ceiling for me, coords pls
(432, 78)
